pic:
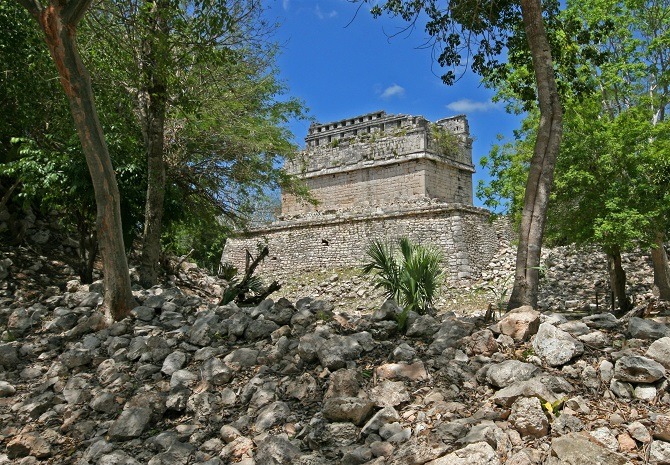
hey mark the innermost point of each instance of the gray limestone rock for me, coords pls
(639, 432)
(271, 415)
(105, 402)
(596, 339)
(379, 419)
(353, 409)
(6, 389)
(659, 453)
(480, 453)
(243, 357)
(577, 449)
(566, 423)
(143, 313)
(118, 457)
(528, 417)
(387, 312)
(76, 357)
(9, 356)
(659, 350)
(403, 353)
(641, 328)
(343, 383)
(173, 362)
(662, 427)
(605, 321)
(575, 328)
(276, 450)
(341, 434)
(389, 394)
(130, 424)
(450, 333)
(547, 387)
(509, 372)
(334, 353)
(605, 437)
(260, 329)
(556, 347)
(637, 369)
(215, 371)
(423, 326)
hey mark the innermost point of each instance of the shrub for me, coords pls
(409, 273)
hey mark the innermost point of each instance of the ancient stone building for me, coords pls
(377, 176)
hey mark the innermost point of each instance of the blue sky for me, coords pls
(342, 65)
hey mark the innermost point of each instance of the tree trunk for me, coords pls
(659, 259)
(541, 173)
(618, 282)
(154, 60)
(59, 22)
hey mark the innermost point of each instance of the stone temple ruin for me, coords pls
(376, 176)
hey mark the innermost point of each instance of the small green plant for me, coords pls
(227, 271)
(500, 293)
(448, 143)
(410, 274)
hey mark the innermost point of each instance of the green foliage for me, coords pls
(410, 273)
(611, 183)
(448, 143)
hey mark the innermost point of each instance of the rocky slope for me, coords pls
(186, 381)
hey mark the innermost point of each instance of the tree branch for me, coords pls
(74, 10)
(33, 6)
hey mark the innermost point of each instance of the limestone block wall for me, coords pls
(463, 233)
(447, 183)
(371, 186)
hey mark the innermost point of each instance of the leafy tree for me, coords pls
(410, 274)
(613, 167)
(40, 154)
(59, 21)
(205, 99)
(483, 32)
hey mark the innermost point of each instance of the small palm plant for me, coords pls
(410, 274)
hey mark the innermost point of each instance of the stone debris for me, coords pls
(184, 380)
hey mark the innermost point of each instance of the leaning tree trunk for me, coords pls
(659, 260)
(154, 102)
(59, 22)
(618, 282)
(541, 174)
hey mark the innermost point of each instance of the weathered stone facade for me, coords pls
(377, 176)
(380, 159)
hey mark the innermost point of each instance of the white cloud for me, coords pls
(470, 106)
(286, 4)
(321, 15)
(393, 91)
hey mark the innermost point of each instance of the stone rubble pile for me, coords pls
(185, 381)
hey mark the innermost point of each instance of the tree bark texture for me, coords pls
(154, 101)
(659, 259)
(618, 283)
(541, 173)
(59, 22)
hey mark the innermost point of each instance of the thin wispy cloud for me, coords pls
(286, 4)
(471, 106)
(322, 15)
(393, 91)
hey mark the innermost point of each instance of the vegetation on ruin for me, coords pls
(447, 143)
(410, 273)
